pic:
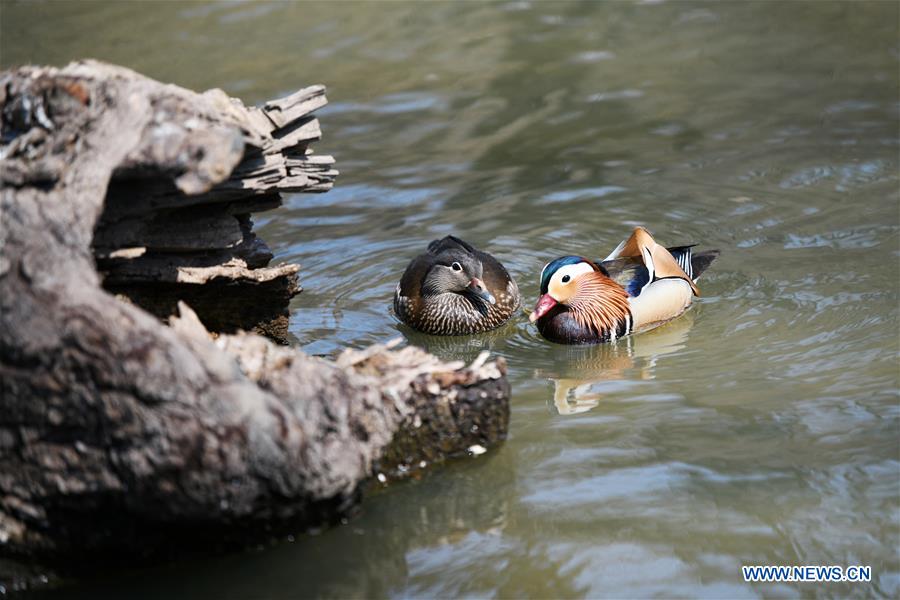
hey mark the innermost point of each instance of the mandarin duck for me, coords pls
(639, 286)
(454, 289)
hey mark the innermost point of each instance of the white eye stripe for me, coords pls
(572, 271)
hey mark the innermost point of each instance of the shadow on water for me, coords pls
(400, 529)
(463, 347)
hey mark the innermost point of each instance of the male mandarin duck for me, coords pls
(454, 289)
(639, 286)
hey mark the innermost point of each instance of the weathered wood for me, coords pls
(203, 163)
(233, 296)
(202, 160)
(253, 204)
(173, 231)
(231, 287)
(257, 175)
(290, 108)
(295, 135)
(122, 437)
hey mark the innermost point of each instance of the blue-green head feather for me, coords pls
(554, 265)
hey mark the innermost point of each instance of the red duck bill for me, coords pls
(543, 306)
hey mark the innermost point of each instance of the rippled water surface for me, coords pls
(760, 428)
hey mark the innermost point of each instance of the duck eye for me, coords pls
(566, 279)
(456, 266)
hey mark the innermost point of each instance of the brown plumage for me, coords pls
(434, 296)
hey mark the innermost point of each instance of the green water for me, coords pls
(761, 428)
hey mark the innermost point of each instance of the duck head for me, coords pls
(456, 272)
(558, 283)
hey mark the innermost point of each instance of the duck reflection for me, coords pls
(577, 370)
(460, 347)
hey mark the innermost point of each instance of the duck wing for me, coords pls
(657, 262)
(498, 281)
(631, 273)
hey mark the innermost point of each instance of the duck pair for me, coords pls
(454, 289)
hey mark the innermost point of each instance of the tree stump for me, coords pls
(123, 437)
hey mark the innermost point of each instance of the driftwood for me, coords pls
(121, 436)
(176, 222)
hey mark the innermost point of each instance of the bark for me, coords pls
(176, 221)
(123, 437)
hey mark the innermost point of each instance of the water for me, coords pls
(761, 428)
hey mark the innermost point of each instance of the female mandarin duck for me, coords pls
(454, 289)
(639, 286)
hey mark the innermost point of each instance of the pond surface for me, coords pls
(760, 428)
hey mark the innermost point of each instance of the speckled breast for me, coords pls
(456, 314)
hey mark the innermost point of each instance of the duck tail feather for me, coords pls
(701, 261)
(683, 256)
